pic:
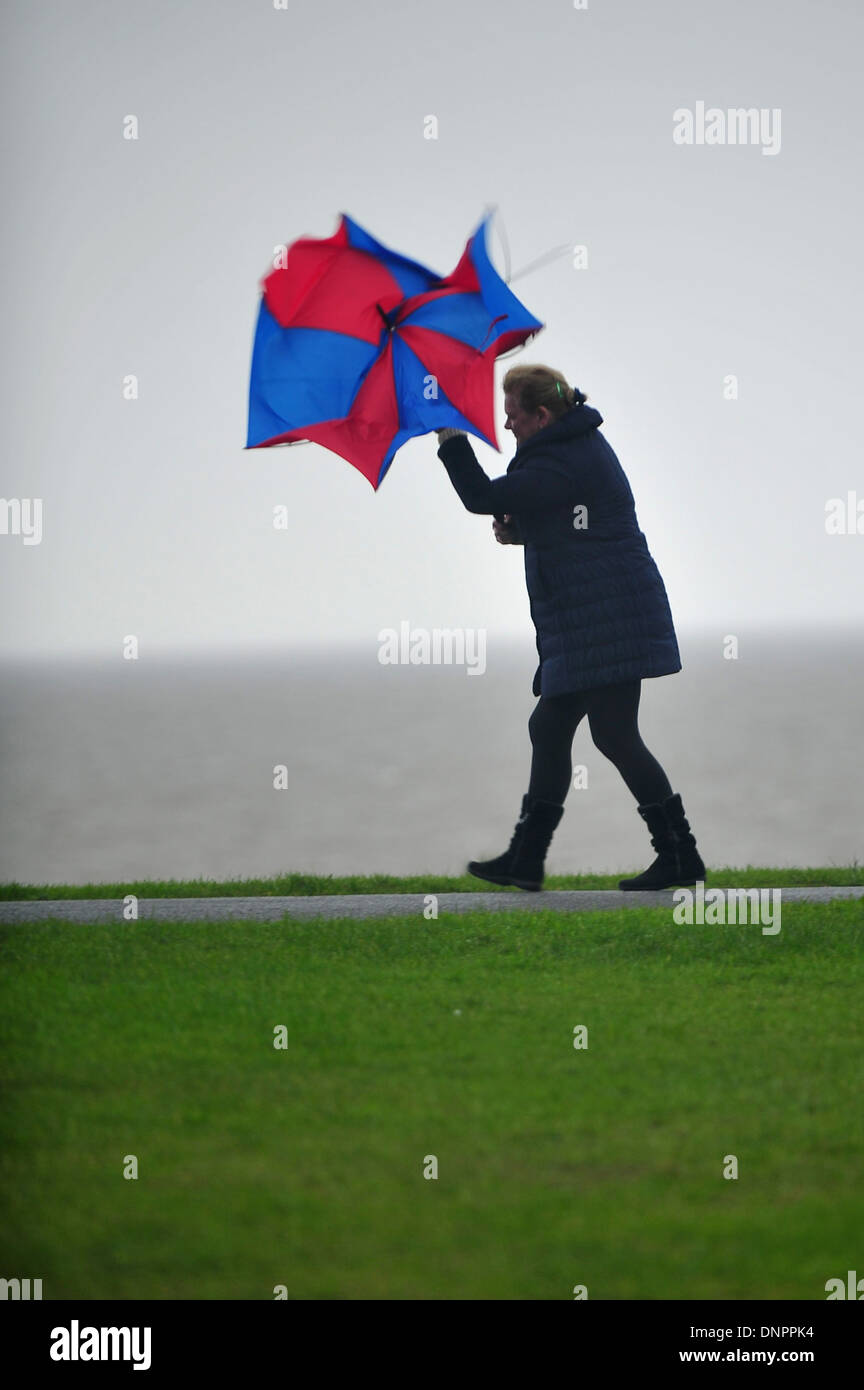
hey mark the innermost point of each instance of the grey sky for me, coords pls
(260, 125)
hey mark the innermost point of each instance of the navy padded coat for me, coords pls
(598, 602)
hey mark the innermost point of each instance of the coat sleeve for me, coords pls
(532, 488)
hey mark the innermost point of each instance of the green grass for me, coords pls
(557, 1167)
(299, 885)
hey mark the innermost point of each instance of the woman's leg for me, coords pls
(613, 715)
(552, 725)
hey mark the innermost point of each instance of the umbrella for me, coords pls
(359, 349)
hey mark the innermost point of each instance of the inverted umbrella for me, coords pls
(359, 348)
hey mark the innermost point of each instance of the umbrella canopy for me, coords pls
(359, 348)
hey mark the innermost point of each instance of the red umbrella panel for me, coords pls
(359, 348)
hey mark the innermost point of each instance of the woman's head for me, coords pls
(534, 396)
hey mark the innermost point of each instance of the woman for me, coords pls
(600, 612)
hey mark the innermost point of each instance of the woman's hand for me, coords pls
(448, 433)
(505, 534)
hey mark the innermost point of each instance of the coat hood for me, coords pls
(579, 420)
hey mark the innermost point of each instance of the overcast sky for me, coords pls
(258, 125)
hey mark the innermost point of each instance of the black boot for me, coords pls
(678, 864)
(526, 866)
(498, 870)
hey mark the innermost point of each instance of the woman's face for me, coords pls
(521, 423)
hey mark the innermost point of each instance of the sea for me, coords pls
(250, 763)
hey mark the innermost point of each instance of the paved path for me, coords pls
(360, 905)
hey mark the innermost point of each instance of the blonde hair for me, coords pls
(537, 386)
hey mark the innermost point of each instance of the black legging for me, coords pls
(613, 716)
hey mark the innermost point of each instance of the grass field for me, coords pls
(316, 885)
(303, 1166)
